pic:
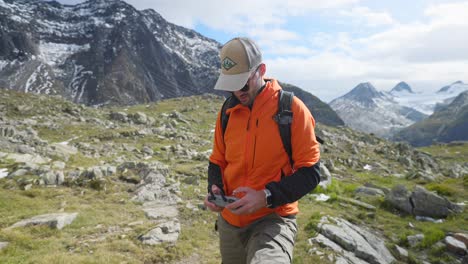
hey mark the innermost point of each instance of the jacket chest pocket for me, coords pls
(267, 145)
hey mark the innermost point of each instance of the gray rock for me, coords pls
(399, 197)
(63, 150)
(415, 240)
(27, 158)
(455, 246)
(156, 210)
(25, 149)
(432, 205)
(94, 173)
(426, 176)
(3, 245)
(58, 220)
(325, 176)
(147, 150)
(53, 177)
(369, 191)
(139, 118)
(462, 237)
(360, 241)
(406, 161)
(164, 233)
(347, 256)
(18, 173)
(7, 131)
(402, 253)
(58, 165)
(119, 116)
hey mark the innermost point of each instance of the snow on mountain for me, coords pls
(384, 113)
(101, 52)
(426, 102)
(368, 110)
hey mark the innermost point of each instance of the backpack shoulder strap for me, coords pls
(230, 102)
(284, 118)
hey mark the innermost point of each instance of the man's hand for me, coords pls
(213, 207)
(251, 202)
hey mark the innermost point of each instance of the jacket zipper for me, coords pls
(246, 168)
(254, 146)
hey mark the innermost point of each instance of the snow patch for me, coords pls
(3, 63)
(78, 82)
(19, 19)
(55, 54)
(39, 81)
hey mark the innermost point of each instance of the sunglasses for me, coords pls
(246, 86)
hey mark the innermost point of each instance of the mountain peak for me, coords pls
(364, 91)
(401, 87)
(455, 87)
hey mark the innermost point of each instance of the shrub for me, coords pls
(432, 235)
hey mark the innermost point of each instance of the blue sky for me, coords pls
(327, 47)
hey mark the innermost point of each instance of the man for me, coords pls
(249, 161)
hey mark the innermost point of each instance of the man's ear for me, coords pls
(262, 69)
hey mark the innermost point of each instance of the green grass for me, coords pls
(106, 204)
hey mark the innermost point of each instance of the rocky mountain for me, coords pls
(454, 88)
(321, 111)
(101, 52)
(126, 184)
(107, 52)
(368, 110)
(448, 123)
(401, 87)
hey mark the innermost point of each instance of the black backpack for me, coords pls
(283, 118)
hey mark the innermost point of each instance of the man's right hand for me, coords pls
(213, 207)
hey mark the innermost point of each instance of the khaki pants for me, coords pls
(267, 240)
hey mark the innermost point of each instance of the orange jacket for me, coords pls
(252, 154)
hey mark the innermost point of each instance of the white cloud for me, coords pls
(430, 51)
(235, 16)
(366, 17)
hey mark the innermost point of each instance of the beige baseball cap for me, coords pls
(239, 57)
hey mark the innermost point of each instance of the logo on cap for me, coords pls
(228, 63)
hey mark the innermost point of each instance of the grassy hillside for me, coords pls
(178, 133)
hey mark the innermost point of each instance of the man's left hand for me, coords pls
(251, 202)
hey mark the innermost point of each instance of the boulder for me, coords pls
(167, 232)
(432, 205)
(53, 177)
(57, 220)
(402, 253)
(139, 118)
(119, 116)
(63, 150)
(462, 237)
(325, 175)
(421, 202)
(358, 240)
(455, 246)
(369, 191)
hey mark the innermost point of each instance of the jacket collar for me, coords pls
(271, 88)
